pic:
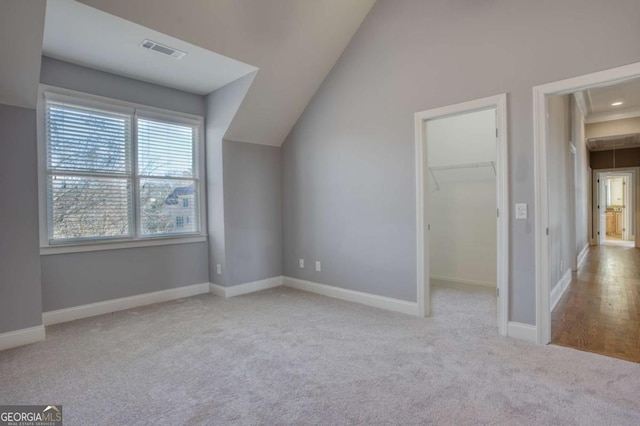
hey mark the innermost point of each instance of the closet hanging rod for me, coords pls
(491, 164)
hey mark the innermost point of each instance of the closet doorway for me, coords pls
(462, 208)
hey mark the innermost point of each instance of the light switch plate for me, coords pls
(301, 263)
(521, 211)
(318, 266)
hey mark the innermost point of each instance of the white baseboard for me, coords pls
(25, 336)
(114, 305)
(460, 281)
(397, 305)
(521, 331)
(559, 289)
(583, 254)
(245, 288)
(216, 289)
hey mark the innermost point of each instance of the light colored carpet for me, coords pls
(288, 357)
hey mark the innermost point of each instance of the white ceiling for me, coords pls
(294, 43)
(87, 36)
(598, 101)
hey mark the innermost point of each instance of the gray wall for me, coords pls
(558, 172)
(348, 165)
(20, 295)
(75, 77)
(253, 212)
(79, 278)
(221, 107)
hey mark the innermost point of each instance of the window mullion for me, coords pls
(135, 180)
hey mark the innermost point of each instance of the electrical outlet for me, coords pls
(301, 263)
(219, 269)
(521, 211)
(318, 266)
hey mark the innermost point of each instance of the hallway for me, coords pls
(600, 310)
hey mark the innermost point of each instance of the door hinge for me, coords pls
(547, 231)
(497, 292)
(496, 132)
(498, 212)
(429, 227)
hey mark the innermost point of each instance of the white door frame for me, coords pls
(573, 246)
(540, 138)
(632, 212)
(499, 102)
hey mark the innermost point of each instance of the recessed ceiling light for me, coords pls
(617, 103)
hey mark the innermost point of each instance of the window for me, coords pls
(119, 173)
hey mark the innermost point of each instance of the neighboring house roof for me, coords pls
(180, 191)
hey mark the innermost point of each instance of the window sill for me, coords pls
(118, 245)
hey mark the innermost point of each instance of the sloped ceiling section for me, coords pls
(294, 43)
(21, 28)
(112, 44)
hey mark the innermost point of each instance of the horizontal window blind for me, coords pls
(166, 152)
(87, 150)
(165, 149)
(85, 140)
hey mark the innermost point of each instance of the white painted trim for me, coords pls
(76, 248)
(634, 172)
(521, 331)
(540, 137)
(499, 102)
(582, 105)
(134, 109)
(460, 281)
(612, 115)
(114, 305)
(25, 336)
(217, 289)
(559, 289)
(583, 254)
(397, 305)
(250, 287)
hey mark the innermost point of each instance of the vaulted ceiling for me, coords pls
(294, 44)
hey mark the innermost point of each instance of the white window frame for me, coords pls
(137, 111)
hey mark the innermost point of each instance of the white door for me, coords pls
(602, 209)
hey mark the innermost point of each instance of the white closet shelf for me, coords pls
(434, 169)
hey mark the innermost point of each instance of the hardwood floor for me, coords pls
(600, 310)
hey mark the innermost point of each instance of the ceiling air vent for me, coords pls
(161, 48)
